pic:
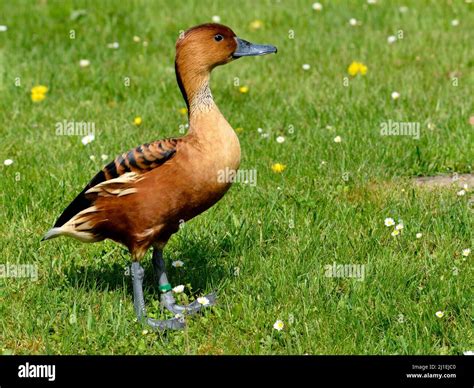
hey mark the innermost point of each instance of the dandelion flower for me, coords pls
(389, 222)
(183, 111)
(239, 130)
(177, 264)
(317, 6)
(391, 39)
(178, 289)
(88, 139)
(203, 300)
(84, 63)
(280, 139)
(256, 24)
(466, 252)
(244, 89)
(216, 19)
(278, 168)
(38, 93)
(8, 162)
(461, 193)
(306, 66)
(419, 235)
(137, 121)
(395, 95)
(439, 314)
(337, 139)
(357, 68)
(278, 325)
(395, 233)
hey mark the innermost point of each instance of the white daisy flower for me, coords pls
(136, 39)
(113, 45)
(3, 28)
(455, 22)
(399, 227)
(178, 289)
(216, 19)
(337, 139)
(353, 22)
(203, 300)
(84, 63)
(306, 66)
(461, 193)
(439, 314)
(177, 264)
(280, 139)
(259, 130)
(466, 252)
(403, 9)
(88, 139)
(395, 95)
(419, 235)
(92, 157)
(391, 39)
(389, 221)
(317, 6)
(8, 162)
(278, 325)
(395, 233)
(104, 157)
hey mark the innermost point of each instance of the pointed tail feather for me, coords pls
(52, 233)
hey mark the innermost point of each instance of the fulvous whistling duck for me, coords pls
(140, 198)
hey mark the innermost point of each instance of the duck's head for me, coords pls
(209, 45)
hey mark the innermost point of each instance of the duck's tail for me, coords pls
(52, 233)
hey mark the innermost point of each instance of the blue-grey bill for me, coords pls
(246, 49)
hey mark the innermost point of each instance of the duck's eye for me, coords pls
(218, 37)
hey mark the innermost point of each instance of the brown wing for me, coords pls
(139, 161)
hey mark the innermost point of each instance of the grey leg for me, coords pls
(167, 298)
(138, 274)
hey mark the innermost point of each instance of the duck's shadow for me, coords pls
(203, 268)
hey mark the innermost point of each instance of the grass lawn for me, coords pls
(264, 248)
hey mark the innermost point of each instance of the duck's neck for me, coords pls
(194, 85)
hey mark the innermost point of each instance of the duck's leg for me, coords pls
(138, 274)
(167, 298)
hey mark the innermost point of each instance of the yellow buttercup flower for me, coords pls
(137, 121)
(256, 24)
(183, 111)
(38, 93)
(357, 68)
(278, 168)
(244, 89)
(239, 130)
